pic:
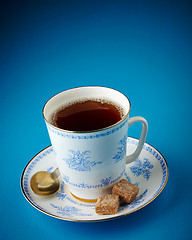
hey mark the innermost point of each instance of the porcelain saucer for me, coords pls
(149, 172)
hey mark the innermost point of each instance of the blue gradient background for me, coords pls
(142, 48)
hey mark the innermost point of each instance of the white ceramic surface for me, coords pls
(149, 172)
(90, 162)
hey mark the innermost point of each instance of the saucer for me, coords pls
(149, 172)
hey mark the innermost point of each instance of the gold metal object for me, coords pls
(45, 183)
(84, 200)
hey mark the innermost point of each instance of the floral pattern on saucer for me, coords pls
(149, 172)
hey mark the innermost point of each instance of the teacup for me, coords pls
(91, 162)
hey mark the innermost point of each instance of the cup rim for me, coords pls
(90, 131)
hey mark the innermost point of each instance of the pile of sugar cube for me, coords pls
(109, 204)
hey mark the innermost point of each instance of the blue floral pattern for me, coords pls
(121, 151)
(69, 211)
(106, 181)
(80, 161)
(103, 182)
(142, 168)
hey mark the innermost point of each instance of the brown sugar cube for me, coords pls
(107, 204)
(126, 190)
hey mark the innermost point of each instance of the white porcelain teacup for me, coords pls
(90, 162)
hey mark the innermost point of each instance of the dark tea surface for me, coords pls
(86, 116)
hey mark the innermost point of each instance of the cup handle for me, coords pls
(143, 136)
